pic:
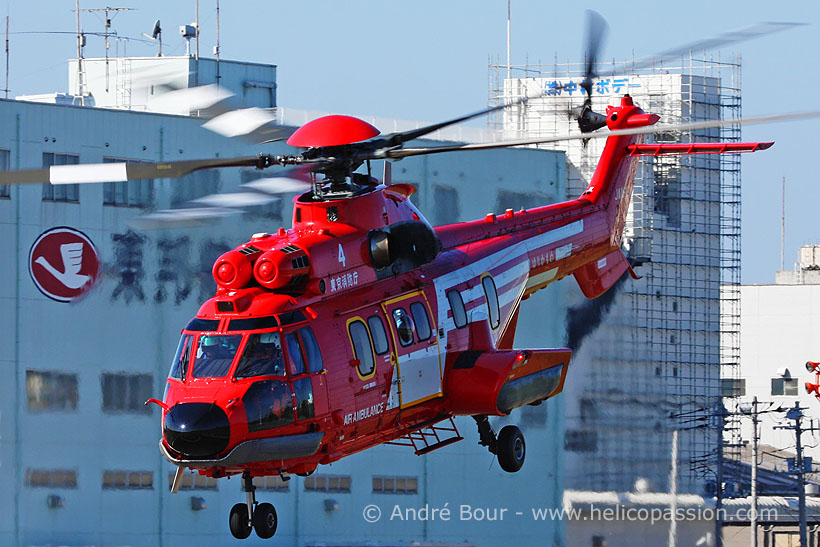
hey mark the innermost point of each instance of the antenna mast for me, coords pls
(7, 57)
(81, 91)
(782, 228)
(105, 10)
(216, 47)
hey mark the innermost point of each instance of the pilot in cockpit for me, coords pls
(263, 355)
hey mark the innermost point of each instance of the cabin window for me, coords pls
(262, 356)
(379, 334)
(492, 301)
(297, 361)
(362, 350)
(311, 347)
(179, 367)
(303, 389)
(268, 405)
(404, 326)
(422, 321)
(214, 355)
(457, 307)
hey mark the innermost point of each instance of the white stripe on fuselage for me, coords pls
(517, 270)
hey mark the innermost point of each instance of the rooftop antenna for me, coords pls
(196, 24)
(7, 57)
(156, 34)
(81, 90)
(508, 40)
(216, 47)
(782, 228)
(107, 33)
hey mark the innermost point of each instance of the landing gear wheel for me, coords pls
(511, 449)
(265, 520)
(239, 522)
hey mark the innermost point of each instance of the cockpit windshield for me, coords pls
(214, 355)
(262, 356)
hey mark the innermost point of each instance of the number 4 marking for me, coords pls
(342, 256)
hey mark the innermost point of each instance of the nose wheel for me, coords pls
(251, 515)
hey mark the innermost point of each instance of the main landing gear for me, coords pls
(508, 446)
(252, 515)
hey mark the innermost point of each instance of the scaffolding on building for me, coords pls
(658, 361)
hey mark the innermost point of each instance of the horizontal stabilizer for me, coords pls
(696, 148)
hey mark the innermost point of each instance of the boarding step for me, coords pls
(431, 436)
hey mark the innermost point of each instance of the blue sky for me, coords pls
(427, 60)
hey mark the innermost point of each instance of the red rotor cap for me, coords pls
(332, 131)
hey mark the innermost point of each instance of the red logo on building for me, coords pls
(63, 263)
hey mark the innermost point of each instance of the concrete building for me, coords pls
(666, 340)
(77, 446)
(778, 333)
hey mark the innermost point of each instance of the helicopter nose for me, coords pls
(197, 430)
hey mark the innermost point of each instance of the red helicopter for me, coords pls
(362, 324)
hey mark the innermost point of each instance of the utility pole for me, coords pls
(795, 413)
(721, 416)
(753, 523)
(673, 490)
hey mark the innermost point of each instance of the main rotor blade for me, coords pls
(396, 139)
(115, 172)
(174, 218)
(665, 128)
(721, 40)
(224, 114)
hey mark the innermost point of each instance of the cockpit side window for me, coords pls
(297, 362)
(214, 355)
(179, 366)
(311, 347)
(262, 356)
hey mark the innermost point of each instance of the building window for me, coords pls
(580, 441)
(5, 189)
(328, 483)
(732, 387)
(60, 192)
(51, 478)
(446, 208)
(123, 392)
(535, 416)
(395, 485)
(588, 410)
(133, 193)
(272, 484)
(784, 386)
(47, 390)
(193, 481)
(128, 480)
